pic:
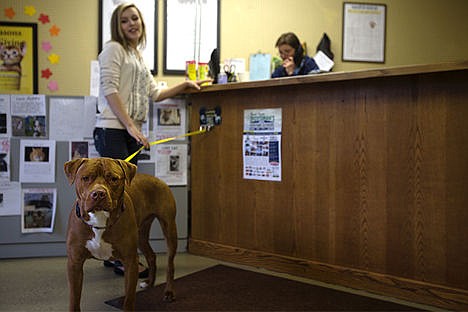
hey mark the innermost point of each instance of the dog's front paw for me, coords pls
(144, 284)
(169, 296)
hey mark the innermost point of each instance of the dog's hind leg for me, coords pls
(169, 229)
(145, 248)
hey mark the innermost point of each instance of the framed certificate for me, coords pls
(364, 32)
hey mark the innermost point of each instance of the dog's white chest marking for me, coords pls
(98, 247)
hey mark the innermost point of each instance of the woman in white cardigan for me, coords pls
(126, 85)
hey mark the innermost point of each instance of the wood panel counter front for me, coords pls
(374, 189)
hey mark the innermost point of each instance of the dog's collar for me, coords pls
(78, 214)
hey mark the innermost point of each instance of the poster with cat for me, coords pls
(18, 58)
(37, 161)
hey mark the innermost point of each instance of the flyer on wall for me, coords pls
(37, 161)
(38, 213)
(78, 149)
(171, 163)
(73, 117)
(28, 115)
(10, 191)
(261, 146)
(169, 118)
(4, 159)
(82, 149)
(5, 119)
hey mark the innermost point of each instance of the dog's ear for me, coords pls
(129, 170)
(71, 167)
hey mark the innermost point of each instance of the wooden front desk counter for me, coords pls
(374, 189)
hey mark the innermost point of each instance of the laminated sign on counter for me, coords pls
(260, 66)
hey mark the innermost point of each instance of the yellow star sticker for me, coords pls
(29, 10)
(54, 58)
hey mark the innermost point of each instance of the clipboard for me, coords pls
(260, 66)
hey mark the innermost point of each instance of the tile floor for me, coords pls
(40, 284)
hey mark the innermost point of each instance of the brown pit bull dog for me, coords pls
(112, 217)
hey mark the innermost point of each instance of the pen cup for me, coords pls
(222, 78)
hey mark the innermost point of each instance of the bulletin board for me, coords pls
(19, 235)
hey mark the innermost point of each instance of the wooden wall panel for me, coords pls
(374, 180)
(399, 231)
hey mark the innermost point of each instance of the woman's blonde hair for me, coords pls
(116, 29)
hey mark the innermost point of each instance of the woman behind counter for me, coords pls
(295, 62)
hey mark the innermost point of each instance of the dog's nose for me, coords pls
(98, 194)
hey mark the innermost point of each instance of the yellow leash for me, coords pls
(202, 130)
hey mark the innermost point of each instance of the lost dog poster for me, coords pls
(18, 58)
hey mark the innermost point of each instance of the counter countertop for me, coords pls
(340, 76)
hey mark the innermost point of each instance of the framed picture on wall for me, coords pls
(191, 33)
(18, 58)
(364, 32)
(149, 10)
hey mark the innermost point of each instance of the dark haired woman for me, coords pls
(295, 62)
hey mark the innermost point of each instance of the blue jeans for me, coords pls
(115, 143)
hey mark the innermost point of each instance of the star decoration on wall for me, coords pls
(29, 10)
(54, 30)
(43, 18)
(10, 13)
(46, 46)
(46, 73)
(53, 85)
(54, 58)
